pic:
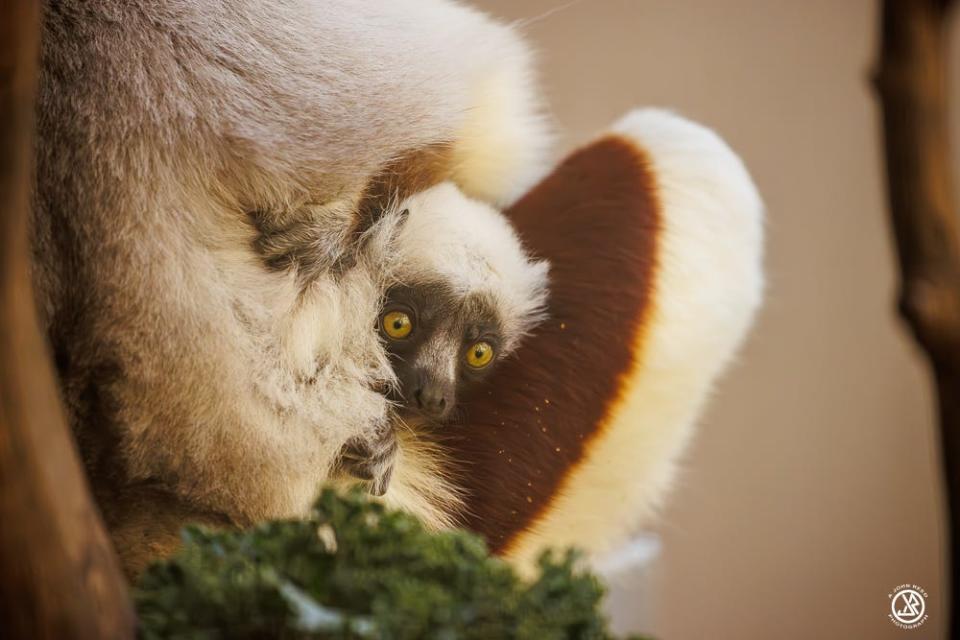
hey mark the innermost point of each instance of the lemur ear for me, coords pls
(653, 234)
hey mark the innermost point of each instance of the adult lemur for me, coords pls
(210, 241)
(219, 197)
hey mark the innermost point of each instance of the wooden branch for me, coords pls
(59, 577)
(912, 87)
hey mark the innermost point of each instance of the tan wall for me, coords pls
(811, 489)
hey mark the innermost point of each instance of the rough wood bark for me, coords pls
(911, 82)
(59, 577)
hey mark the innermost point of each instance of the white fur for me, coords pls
(708, 286)
(471, 247)
(504, 138)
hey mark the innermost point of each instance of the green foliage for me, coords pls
(357, 570)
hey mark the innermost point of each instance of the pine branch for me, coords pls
(356, 570)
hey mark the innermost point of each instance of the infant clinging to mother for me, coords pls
(463, 291)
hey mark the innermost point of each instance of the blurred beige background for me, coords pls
(812, 489)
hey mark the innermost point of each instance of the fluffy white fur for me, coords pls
(471, 247)
(708, 286)
(499, 149)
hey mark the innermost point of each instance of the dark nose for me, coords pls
(433, 399)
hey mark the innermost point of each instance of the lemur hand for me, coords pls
(372, 459)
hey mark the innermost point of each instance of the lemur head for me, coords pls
(464, 293)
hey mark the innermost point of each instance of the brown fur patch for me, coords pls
(145, 522)
(412, 172)
(521, 434)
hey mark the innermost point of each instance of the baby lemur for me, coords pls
(463, 293)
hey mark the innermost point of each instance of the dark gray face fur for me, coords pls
(433, 361)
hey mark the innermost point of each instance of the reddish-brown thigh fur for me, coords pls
(596, 219)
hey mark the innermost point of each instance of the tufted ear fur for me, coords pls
(654, 237)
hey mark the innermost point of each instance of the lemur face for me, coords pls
(439, 343)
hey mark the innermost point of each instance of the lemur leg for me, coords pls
(372, 459)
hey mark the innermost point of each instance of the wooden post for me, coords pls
(59, 577)
(911, 82)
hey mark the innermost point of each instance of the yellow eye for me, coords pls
(480, 355)
(397, 324)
